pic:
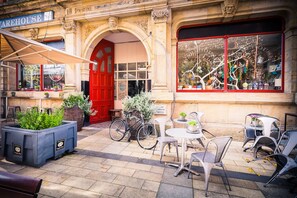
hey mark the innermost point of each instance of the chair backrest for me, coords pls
(289, 139)
(221, 145)
(197, 116)
(251, 116)
(162, 125)
(267, 124)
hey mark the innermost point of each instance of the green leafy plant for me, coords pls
(36, 120)
(192, 123)
(81, 101)
(182, 114)
(46, 94)
(141, 102)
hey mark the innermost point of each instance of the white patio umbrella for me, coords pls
(17, 49)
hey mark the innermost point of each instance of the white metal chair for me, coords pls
(285, 164)
(214, 152)
(165, 140)
(270, 135)
(197, 116)
(251, 130)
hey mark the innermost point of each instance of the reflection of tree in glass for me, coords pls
(56, 74)
(203, 61)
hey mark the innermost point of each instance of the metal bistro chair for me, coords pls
(251, 130)
(270, 135)
(285, 164)
(214, 152)
(197, 116)
(165, 140)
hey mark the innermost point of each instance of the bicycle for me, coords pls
(133, 126)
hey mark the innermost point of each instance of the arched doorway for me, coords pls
(129, 73)
(102, 80)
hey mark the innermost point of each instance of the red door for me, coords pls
(102, 81)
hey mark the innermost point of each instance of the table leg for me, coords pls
(183, 165)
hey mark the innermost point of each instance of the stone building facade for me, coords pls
(156, 24)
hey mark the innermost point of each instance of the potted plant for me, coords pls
(75, 106)
(36, 87)
(46, 94)
(255, 122)
(38, 137)
(55, 87)
(182, 116)
(141, 102)
(192, 125)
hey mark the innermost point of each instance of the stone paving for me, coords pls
(103, 168)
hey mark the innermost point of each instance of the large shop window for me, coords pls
(131, 79)
(243, 56)
(42, 77)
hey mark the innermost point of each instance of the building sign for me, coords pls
(27, 19)
(160, 109)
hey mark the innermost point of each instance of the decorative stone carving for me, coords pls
(229, 7)
(121, 2)
(160, 15)
(89, 29)
(68, 26)
(113, 23)
(142, 23)
(34, 33)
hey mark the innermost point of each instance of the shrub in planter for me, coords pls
(182, 116)
(192, 125)
(46, 95)
(38, 137)
(141, 102)
(36, 120)
(75, 106)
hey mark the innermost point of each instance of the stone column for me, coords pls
(70, 42)
(160, 69)
(291, 61)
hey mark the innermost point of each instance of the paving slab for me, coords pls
(128, 181)
(79, 182)
(107, 188)
(79, 193)
(173, 191)
(129, 192)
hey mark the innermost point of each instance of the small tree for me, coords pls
(141, 102)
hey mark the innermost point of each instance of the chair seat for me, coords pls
(209, 157)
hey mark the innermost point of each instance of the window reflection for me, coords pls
(29, 77)
(54, 76)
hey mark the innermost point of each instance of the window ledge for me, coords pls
(238, 98)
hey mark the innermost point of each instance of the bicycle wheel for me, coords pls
(117, 129)
(147, 136)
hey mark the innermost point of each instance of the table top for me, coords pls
(182, 133)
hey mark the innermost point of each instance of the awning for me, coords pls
(17, 49)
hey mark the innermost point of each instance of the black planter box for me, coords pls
(34, 147)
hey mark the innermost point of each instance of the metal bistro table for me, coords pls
(184, 135)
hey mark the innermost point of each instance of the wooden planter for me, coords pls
(75, 114)
(34, 147)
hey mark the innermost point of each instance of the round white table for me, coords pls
(184, 135)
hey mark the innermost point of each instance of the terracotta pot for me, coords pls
(75, 114)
